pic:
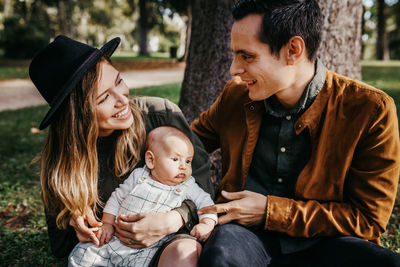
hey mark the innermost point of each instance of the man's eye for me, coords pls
(247, 58)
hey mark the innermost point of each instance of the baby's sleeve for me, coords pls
(201, 199)
(114, 202)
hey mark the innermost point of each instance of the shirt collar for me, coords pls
(273, 107)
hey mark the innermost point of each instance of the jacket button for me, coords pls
(280, 180)
(251, 107)
(299, 126)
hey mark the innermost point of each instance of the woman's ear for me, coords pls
(149, 159)
(295, 50)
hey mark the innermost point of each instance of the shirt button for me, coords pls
(288, 117)
(283, 149)
(280, 180)
(178, 190)
(251, 107)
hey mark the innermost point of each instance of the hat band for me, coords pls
(62, 92)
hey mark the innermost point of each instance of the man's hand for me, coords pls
(245, 207)
(86, 227)
(145, 229)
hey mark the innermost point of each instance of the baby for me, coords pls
(160, 186)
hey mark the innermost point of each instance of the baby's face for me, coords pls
(172, 161)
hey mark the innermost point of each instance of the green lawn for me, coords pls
(23, 239)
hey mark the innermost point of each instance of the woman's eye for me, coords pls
(175, 159)
(104, 98)
(119, 81)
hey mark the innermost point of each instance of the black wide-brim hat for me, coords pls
(60, 66)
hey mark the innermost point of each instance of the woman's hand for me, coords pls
(86, 227)
(145, 229)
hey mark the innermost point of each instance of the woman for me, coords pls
(94, 141)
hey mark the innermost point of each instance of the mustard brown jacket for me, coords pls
(349, 185)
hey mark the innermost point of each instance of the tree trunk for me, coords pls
(188, 29)
(8, 8)
(65, 9)
(143, 28)
(382, 49)
(209, 57)
(340, 48)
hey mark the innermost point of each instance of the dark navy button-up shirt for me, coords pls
(280, 155)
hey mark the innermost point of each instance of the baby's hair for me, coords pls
(157, 136)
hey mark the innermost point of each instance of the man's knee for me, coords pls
(233, 245)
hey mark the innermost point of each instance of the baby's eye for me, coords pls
(187, 161)
(174, 159)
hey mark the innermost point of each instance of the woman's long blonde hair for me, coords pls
(69, 163)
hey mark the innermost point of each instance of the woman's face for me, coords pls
(112, 104)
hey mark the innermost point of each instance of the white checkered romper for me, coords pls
(147, 195)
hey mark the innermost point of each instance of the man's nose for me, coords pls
(235, 69)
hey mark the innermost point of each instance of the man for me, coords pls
(310, 158)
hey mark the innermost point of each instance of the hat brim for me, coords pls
(107, 50)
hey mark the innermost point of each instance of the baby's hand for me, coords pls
(203, 230)
(106, 232)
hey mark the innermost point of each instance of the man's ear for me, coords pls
(149, 159)
(295, 50)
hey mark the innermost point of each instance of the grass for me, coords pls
(23, 236)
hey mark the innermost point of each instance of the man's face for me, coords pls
(264, 73)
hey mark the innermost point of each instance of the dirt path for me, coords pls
(20, 93)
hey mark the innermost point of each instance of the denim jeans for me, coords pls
(234, 245)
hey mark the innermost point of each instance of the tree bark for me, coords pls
(340, 48)
(382, 49)
(65, 22)
(143, 28)
(209, 57)
(188, 29)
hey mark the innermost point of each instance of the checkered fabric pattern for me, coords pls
(147, 195)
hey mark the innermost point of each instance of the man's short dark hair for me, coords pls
(283, 19)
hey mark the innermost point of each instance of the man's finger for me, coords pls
(227, 218)
(218, 208)
(233, 195)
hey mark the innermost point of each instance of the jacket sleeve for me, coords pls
(369, 190)
(61, 241)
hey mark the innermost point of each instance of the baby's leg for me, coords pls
(88, 254)
(182, 252)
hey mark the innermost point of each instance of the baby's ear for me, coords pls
(149, 159)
